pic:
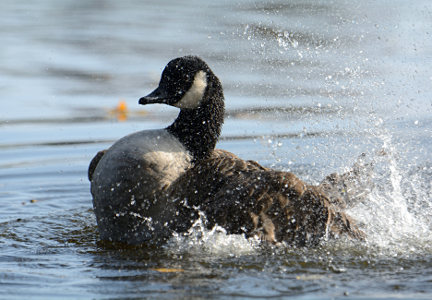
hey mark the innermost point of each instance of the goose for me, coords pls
(152, 183)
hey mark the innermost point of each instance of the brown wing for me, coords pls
(94, 162)
(244, 197)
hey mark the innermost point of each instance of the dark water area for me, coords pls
(309, 87)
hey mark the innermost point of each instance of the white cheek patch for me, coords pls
(194, 95)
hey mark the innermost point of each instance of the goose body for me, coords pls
(129, 183)
(152, 183)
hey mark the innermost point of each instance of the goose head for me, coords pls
(189, 84)
(183, 83)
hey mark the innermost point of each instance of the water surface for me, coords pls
(309, 87)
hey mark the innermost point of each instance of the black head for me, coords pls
(189, 84)
(183, 83)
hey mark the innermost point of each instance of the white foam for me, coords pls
(202, 241)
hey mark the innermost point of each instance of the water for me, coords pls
(310, 86)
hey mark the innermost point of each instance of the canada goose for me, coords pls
(151, 183)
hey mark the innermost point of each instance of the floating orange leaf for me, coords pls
(121, 111)
(122, 107)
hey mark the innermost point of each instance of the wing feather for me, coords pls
(245, 197)
(94, 162)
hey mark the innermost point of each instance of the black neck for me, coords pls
(199, 129)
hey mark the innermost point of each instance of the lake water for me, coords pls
(309, 87)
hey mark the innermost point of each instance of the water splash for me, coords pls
(286, 41)
(199, 240)
(395, 215)
(392, 222)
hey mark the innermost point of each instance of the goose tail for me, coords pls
(354, 186)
